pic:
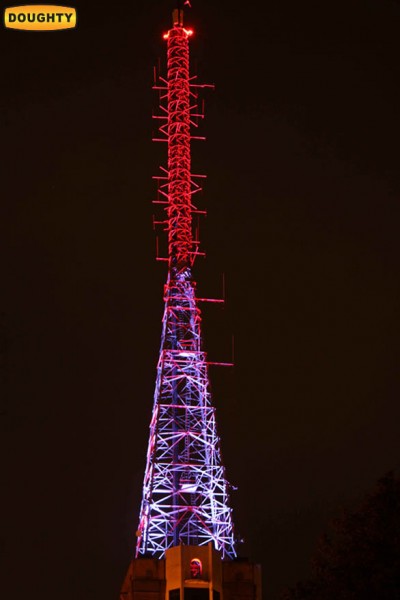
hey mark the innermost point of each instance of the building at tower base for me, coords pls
(191, 573)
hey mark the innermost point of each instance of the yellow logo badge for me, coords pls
(40, 17)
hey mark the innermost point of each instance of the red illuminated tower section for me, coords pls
(185, 541)
(179, 208)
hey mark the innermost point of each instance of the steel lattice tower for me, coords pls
(185, 491)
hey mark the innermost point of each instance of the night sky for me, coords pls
(303, 200)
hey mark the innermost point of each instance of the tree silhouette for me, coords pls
(359, 558)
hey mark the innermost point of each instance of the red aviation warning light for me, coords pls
(188, 32)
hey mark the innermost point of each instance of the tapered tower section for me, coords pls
(185, 492)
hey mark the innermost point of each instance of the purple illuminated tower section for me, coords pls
(185, 492)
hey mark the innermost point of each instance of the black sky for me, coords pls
(303, 216)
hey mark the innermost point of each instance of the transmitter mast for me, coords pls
(185, 516)
(185, 493)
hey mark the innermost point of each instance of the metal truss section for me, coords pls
(179, 210)
(185, 492)
(179, 112)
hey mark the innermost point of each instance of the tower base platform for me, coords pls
(191, 573)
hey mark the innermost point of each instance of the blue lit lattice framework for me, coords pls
(185, 497)
(185, 491)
